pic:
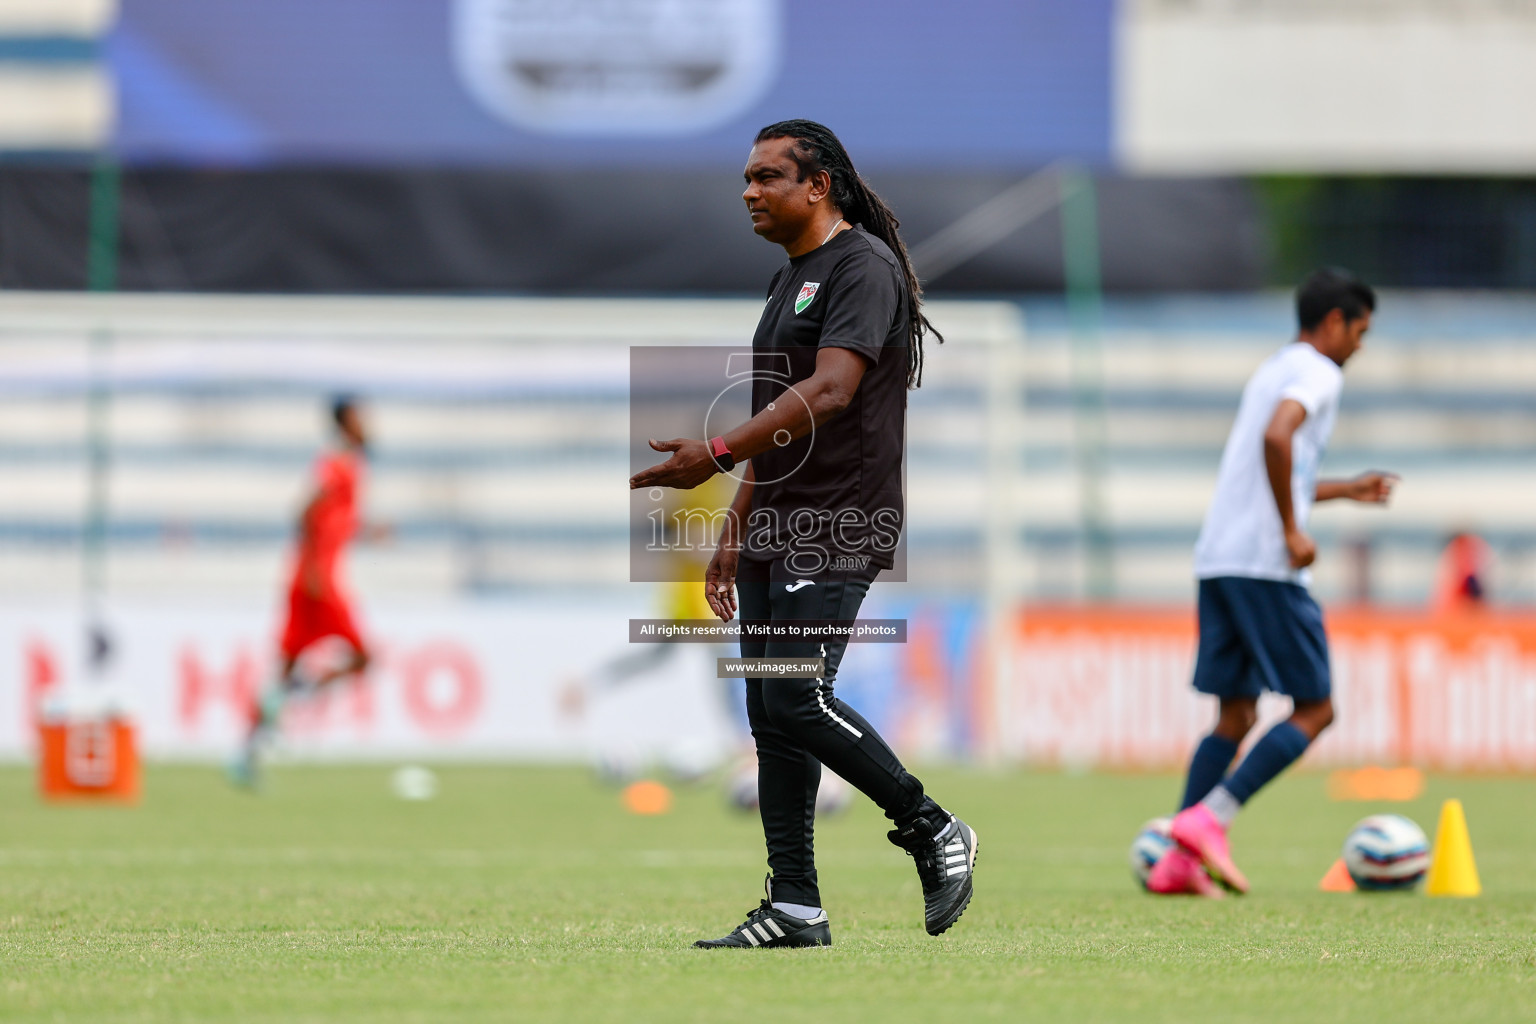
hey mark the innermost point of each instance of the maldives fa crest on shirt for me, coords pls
(807, 293)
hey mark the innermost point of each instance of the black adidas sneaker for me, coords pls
(768, 927)
(945, 860)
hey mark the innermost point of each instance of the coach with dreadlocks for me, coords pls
(818, 515)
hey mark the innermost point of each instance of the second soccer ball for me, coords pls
(1385, 852)
(1154, 840)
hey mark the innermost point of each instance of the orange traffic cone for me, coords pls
(1452, 869)
(647, 797)
(1337, 879)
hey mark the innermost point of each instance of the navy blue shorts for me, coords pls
(1258, 635)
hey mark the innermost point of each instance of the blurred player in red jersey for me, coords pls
(1461, 581)
(318, 605)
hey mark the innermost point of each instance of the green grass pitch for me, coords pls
(527, 894)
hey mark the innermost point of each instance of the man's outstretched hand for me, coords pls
(690, 465)
(1372, 488)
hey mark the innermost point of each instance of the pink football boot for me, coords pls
(1180, 872)
(1198, 831)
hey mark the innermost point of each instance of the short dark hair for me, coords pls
(340, 406)
(1329, 289)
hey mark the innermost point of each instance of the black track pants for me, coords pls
(799, 724)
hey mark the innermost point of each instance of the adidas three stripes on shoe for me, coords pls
(946, 858)
(767, 927)
(945, 855)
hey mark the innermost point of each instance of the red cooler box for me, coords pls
(88, 759)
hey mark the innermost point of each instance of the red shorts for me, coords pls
(311, 619)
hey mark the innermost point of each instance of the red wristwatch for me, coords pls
(721, 454)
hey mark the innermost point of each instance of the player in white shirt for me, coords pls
(1259, 628)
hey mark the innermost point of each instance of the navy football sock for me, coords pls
(1209, 765)
(1268, 758)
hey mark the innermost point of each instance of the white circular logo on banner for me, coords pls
(616, 67)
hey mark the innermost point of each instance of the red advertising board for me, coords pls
(1111, 687)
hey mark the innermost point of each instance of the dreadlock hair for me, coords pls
(817, 149)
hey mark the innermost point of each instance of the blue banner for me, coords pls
(997, 84)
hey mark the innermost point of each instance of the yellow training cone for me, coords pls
(1452, 870)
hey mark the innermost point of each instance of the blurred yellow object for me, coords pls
(647, 797)
(695, 517)
(1376, 783)
(1452, 868)
(685, 600)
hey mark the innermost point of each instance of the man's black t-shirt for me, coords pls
(833, 499)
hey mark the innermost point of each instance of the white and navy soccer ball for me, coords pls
(1385, 852)
(1154, 840)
